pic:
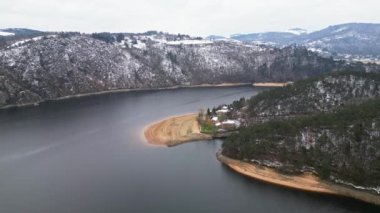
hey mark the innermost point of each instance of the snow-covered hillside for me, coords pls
(353, 41)
(66, 64)
(297, 31)
(2, 33)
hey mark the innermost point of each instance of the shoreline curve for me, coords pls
(305, 182)
(175, 130)
(8, 106)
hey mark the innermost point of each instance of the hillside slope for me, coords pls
(66, 64)
(324, 94)
(348, 41)
(343, 147)
(328, 125)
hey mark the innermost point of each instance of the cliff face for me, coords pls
(54, 66)
(328, 125)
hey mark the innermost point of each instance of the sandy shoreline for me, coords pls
(270, 84)
(181, 129)
(125, 90)
(174, 131)
(305, 182)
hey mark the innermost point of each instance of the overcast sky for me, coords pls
(195, 17)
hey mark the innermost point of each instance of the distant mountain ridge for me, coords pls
(23, 32)
(350, 41)
(345, 41)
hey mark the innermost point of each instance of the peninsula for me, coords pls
(314, 135)
(175, 130)
(185, 128)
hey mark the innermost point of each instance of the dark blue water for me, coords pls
(88, 155)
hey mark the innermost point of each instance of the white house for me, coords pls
(222, 111)
(234, 123)
(215, 119)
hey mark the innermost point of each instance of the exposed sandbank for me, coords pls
(305, 182)
(271, 84)
(181, 129)
(175, 130)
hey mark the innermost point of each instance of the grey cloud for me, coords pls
(196, 17)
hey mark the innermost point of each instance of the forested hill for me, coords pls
(322, 94)
(328, 125)
(343, 147)
(64, 64)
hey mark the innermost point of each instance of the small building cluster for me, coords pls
(220, 119)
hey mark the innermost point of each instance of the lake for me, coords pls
(89, 155)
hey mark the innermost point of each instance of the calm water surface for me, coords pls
(89, 155)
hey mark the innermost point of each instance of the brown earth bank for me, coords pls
(175, 130)
(305, 182)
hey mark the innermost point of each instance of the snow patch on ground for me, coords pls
(189, 42)
(21, 42)
(140, 45)
(375, 189)
(297, 31)
(340, 29)
(264, 43)
(2, 33)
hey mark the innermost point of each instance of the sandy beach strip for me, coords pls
(175, 130)
(305, 182)
(270, 84)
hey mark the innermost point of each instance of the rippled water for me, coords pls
(88, 155)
